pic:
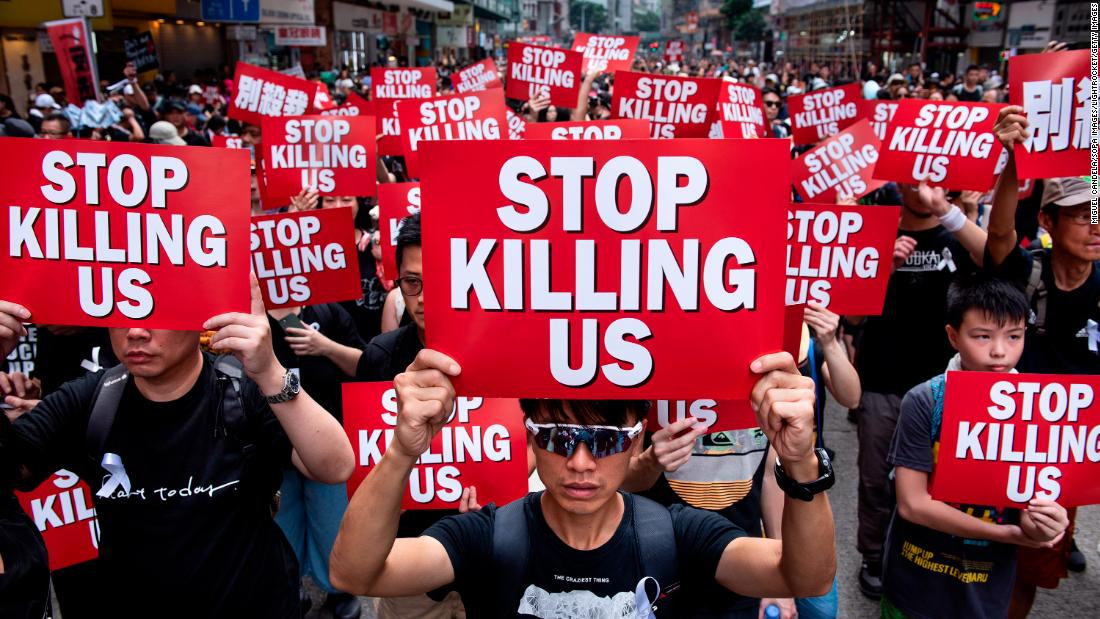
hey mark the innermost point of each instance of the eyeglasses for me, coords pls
(771, 103)
(411, 286)
(564, 438)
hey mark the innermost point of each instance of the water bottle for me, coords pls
(771, 611)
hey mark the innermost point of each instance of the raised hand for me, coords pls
(425, 399)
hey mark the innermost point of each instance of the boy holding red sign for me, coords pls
(966, 554)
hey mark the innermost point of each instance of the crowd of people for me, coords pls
(739, 520)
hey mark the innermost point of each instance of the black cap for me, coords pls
(16, 128)
(174, 104)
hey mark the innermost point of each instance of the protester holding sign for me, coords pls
(904, 346)
(332, 155)
(198, 532)
(678, 107)
(964, 553)
(1062, 285)
(542, 71)
(582, 452)
(823, 113)
(473, 116)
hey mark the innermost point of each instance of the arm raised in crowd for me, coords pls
(969, 234)
(321, 449)
(12, 316)
(1011, 127)
(670, 449)
(840, 375)
(804, 562)
(368, 558)
(581, 111)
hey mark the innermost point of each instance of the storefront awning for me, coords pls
(443, 6)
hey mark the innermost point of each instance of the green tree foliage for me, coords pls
(587, 16)
(647, 21)
(750, 27)
(733, 10)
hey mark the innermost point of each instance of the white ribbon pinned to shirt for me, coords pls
(643, 605)
(946, 261)
(113, 464)
(1093, 331)
(93, 364)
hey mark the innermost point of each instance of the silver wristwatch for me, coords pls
(291, 387)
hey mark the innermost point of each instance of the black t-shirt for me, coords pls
(61, 358)
(366, 311)
(22, 357)
(194, 138)
(1064, 347)
(907, 343)
(388, 355)
(194, 529)
(970, 578)
(725, 475)
(563, 581)
(973, 96)
(320, 377)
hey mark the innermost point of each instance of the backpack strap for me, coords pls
(939, 384)
(1037, 291)
(108, 394)
(656, 541)
(511, 553)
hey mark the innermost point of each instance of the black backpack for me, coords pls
(654, 543)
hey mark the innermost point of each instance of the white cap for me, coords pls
(195, 89)
(45, 100)
(164, 132)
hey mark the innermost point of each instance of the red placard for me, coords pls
(61, 507)
(1022, 436)
(473, 116)
(321, 99)
(226, 141)
(332, 154)
(477, 77)
(605, 53)
(534, 70)
(823, 113)
(951, 144)
(840, 256)
(483, 446)
(72, 46)
(674, 51)
(127, 249)
(793, 317)
(621, 129)
(1055, 91)
(260, 93)
(388, 86)
(713, 415)
(517, 127)
(840, 167)
(678, 107)
(741, 110)
(306, 258)
(396, 201)
(879, 114)
(354, 105)
(554, 267)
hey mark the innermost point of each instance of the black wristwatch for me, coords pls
(806, 492)
(291, 387)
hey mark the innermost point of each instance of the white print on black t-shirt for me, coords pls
(928, 260)
(21, 358)
(537, 602)
(165, 493)
(587, 579)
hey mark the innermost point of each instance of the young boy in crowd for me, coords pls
(986, 325)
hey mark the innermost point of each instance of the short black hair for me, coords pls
(770, 91)
(408, 236)
(619, 413)
(61, 118)
(998, 299)
(973, 67)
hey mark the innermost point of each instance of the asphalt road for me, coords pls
(1078, 596)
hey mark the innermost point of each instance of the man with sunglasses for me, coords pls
(773, 103)
(577, 549)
